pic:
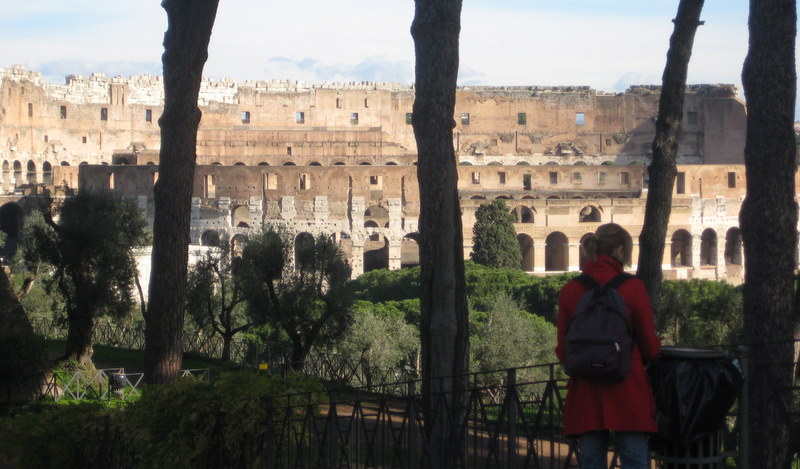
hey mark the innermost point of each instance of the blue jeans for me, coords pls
(632, 448)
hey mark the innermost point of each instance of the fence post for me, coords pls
(511, 402)
(412, 425)
(743, 352)
(332, 436)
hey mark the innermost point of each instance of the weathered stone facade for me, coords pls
(339, 158)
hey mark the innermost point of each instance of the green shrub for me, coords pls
(169, 426)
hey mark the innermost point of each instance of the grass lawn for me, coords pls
(133, 360)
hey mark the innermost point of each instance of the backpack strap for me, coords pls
(619, 280)
(587, 281)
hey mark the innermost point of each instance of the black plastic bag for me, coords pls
(694, 390)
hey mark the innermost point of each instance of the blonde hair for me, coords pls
(606, 240)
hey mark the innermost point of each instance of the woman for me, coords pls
(627, 408)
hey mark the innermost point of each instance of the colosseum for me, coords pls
(340, 159)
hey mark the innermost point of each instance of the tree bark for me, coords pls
(17, 340)
(79, 337)
(444, 325)
(185, 53)
(768, 220)
(662, 169)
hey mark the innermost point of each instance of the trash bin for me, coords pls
(694, 390)
(117, 382)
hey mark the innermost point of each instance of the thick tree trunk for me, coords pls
(662, 169)
(79, 337)
(768, 221)
(185, 53)
(444, 327)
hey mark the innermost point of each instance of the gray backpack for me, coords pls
(599, 338)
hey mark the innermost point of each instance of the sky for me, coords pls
(608, 45)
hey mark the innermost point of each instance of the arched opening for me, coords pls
(733, 246)
(31, 173)
(494, 163)
(708, 247)
(477, 197)
(210, 238)
(370, 224)
(241, 217)
(365, 163)
(522, 214)
(556, 252)
(409, 250)
(216, 163)
(17, 172)
(11, 221)
(589, 214)
(523, 163)
(582, 257)
(376, 252)
(289, 163)
(339, 163)
(47, 173)
(502, 197)
(526, 249)
(304, 251)
(377, 215)
(6, 171)
(150, 163)
(681, 250)
(237, 244)
(64, 163)
(239, 163)
(314, 163)
(263, 163)
(391, 163)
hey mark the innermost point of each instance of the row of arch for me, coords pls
(556, 250)
(314, 163)
(375, 251)
(588, 214)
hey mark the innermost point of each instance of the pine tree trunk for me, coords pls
(17, 340)
(443, 331)
(663, 168)
(185, 53)
(768, 221)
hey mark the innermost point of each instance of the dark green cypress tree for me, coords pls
(494, 240)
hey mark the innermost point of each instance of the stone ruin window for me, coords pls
(464, 118)
(46, 138)
(409, 118)
(476, 177)
(63, 111)
(84, 139)
(353, 118)
(271, 181)
(553, 177)
(501, 177)
(111, 181)
(526, 182)
(366, 102)
(624, 178)
(338, 103)
(30, 109)
(209, 189)
(731, 179)
(148, 115)
(608, 142)
(300, 117)
(680, 183)
(305, 182)
(601, 177)
(245, 117)
(522, 118)
(376, 182)
(577, 178)
(580, 118)
(288, 151)
(103, 113)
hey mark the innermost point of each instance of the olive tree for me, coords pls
(214, 299)
(300, 289)
(90, 250)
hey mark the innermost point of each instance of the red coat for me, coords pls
(625, 406)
